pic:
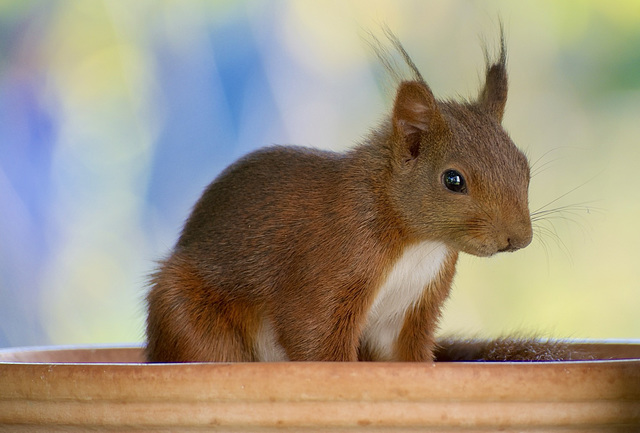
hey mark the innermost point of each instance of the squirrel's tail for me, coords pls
(507, 349)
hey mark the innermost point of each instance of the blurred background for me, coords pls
(114, 115)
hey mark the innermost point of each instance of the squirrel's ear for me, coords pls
(493, 96)
(415, 112)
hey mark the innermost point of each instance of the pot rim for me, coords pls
(607, 351)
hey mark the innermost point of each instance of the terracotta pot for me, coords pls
(98, 389)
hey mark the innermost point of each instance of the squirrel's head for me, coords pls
(457, 176)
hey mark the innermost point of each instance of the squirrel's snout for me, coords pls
(514, 245)
(517, 239)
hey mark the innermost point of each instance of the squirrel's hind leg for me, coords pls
(191, 321)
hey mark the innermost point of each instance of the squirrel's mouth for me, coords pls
(513, 246)
(480, 250)
(508, 249)
(490, 248)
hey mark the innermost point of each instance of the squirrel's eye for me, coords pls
(454, 181)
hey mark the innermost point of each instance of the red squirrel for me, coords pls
(300, 254)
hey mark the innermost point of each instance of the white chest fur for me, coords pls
(413, 271)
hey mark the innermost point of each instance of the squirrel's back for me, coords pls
(279, 207)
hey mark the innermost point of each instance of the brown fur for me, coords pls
(507, 349)
(189, 313)
(304, 239)
(416, 341)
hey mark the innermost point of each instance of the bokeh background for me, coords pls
(114, 115)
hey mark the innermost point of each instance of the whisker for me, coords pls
(578, 210)
(552, 233)
(543, 167)
(581, 206)
(565, 194)
(535, 163)
(538, 236)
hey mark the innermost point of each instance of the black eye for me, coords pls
(454, 181)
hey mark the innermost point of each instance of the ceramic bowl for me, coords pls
(110, 388)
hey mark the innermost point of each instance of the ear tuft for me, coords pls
(493, 97)
(415, 112)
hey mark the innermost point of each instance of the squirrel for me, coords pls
(298, 254)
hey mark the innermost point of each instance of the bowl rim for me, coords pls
(631, 345)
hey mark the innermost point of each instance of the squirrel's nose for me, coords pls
(510, 246)
(516, 241)
(518, 237)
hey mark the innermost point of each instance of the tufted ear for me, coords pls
(493, 96)
(415, 113)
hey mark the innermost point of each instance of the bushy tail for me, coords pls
(507, 349)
